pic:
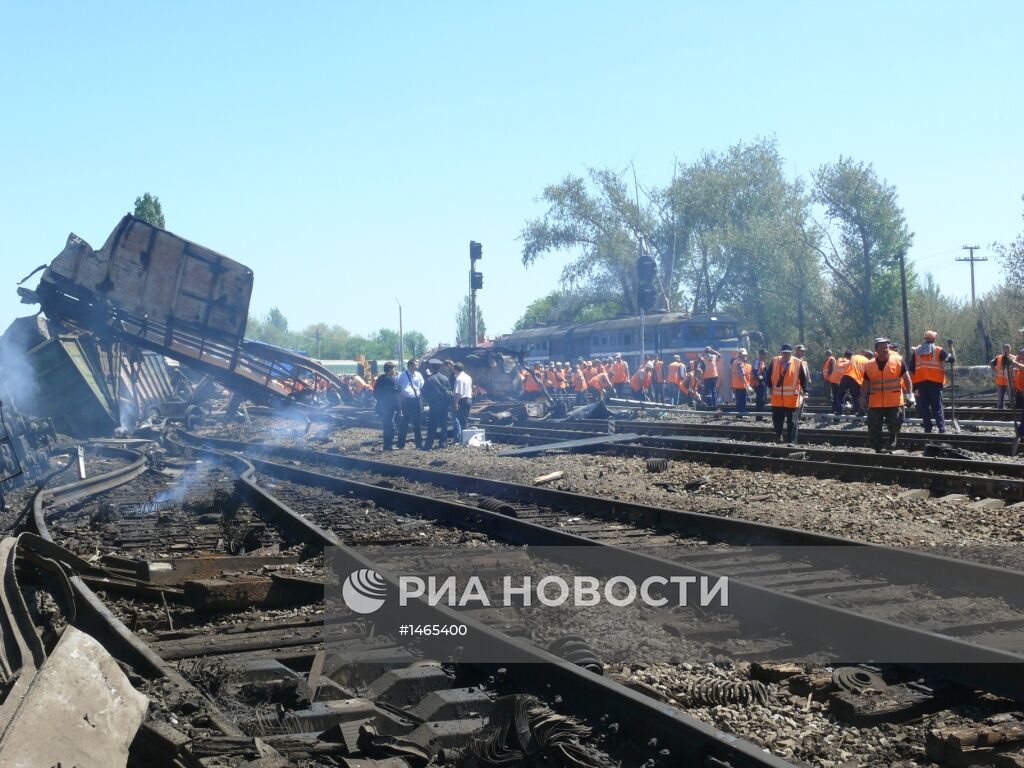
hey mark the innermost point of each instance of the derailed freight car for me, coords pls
(155, 290)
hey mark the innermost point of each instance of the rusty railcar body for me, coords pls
(158, 291)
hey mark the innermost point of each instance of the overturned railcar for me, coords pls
(160, 292)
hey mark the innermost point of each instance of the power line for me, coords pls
(972, 259)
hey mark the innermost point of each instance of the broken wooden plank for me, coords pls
(180, 570)
(570, 445)
(245, 592)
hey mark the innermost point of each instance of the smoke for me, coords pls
(17, 378)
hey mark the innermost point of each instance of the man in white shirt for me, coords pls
(463, 387)
(410, 382)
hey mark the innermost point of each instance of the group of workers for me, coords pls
(447, 390)
(674, 382)
(878, 383)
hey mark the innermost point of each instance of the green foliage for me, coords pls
(560, 307)
(464, 325)
(148, 209)
(1011, 259)
(336, 343)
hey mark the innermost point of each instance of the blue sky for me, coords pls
(348, 152)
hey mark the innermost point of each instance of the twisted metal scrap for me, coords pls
(712, 691)
(528, 732)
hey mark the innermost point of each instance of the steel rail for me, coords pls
(645, 718)
(998, 671)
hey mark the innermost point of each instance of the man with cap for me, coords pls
(1001, 365)
(410, 383)
(740, 380)
(885, 378)
(928, 373)
(620, 375)
(437, 392)
(787, 378)
(707, 365)
(759, 379)
(675, 370)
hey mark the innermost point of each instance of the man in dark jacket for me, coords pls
(385, 392)
(437, 392)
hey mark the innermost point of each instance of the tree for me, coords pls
(861, 239)
(562, 307)
(1011, 258)
(415, 344)
(604, 227)
(464, 326)
(148, 209)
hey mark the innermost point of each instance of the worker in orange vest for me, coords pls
(882, 395)
(1001, 364)
(740, 380)
(640, 382)
(532, 382)
(708, 364)
(659, 379)
(928, 373)
(826, 376)
(675, 368)
(599, 385)
(849, 375)
(620, 375)
(787, 377)
(579, 382)
(1016, 368)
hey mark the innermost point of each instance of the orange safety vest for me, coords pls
(640, 381)
(740, 374)
(824, 369)
(673, 372)
(840, 369)
(659, 371)
(1018, 380)
(1000, 372)
(928, 367)
(358, 384)
(579, 380)
(857, 364)
(710, 366)
(530, 383)
(551, 378)
(600, 382)
(786, 386)
(886, 383)
(620, 372)
(686, 383)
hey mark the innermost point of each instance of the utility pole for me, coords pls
(401, 335)
(906, 312)
(972, 259)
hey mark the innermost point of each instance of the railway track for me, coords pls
(854, 437)
(985, 479)
(230, 685)
(816, 597)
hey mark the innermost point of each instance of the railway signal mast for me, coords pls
(646, 293)
(476, 282)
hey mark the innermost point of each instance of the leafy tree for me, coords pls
(464, 325)
(860, 240)
(603, 223)
(562, 307)
(415, 344)
(1011, 258)
(148, 209)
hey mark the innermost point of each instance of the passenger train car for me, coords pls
(668, 333)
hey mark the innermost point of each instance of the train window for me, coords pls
(697, 332)
(725, 331)
(627, 339)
